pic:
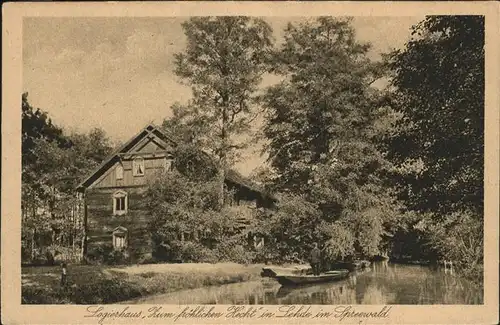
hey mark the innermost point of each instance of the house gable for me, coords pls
(150, 144)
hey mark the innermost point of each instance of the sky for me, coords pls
(117, 73)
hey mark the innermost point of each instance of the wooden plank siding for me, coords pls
(101, 222)
(152, 166)
(99, 200)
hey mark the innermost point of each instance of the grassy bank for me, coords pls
(105, 284)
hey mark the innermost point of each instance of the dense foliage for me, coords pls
(322, 125)
(438, 142)
(187, 221)
(441, 100)
(53, 163)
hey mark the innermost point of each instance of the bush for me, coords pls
(293, 228)
(41, 256)
(104, 291)
(116, 257)
(230, 251)
(195, 252)
(106, 254)
(64, 253)
(183, 251)
(146, 260)
(193, 164)
(340, 244)
(96, 254)
(266, 254)
(162, 252)
(459, 237)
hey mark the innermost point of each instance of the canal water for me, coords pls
(383, 283)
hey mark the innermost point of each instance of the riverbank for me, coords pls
(381, 284)
(89, 284)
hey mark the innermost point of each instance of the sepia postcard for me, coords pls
(250, 162)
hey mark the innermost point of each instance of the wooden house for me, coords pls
(113, 195)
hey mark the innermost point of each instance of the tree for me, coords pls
(187, 222)
(262, 175)
(223, 63)
(291, 230)
(439, 92)
(94, 146)
(323, 123)
(36, 127)
(88, 151)
(44, 158)
(438, 81)
(187, 126)
(52, 165)
(325, 103)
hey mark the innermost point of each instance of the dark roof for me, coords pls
(231, 175)
(237, 178)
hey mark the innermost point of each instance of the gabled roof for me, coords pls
(231, 175)
(107, 163)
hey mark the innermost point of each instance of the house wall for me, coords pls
(101, 222)
(99, 203)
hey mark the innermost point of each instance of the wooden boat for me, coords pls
(272, 272)
(292, 279)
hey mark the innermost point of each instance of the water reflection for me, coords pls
(384, 283)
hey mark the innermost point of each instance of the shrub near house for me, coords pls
(117, 216)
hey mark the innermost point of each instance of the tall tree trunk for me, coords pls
(221, 176)
(33, 217)
(223, 153)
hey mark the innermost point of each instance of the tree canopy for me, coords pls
(439, 92)
(187, 222)
(223, 62)
(322, 126)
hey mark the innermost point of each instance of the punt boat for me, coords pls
(271, 272)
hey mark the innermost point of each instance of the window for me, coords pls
(120, 203)
(119, 171)
(119, 241)
(120, 235)
(138, 167)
